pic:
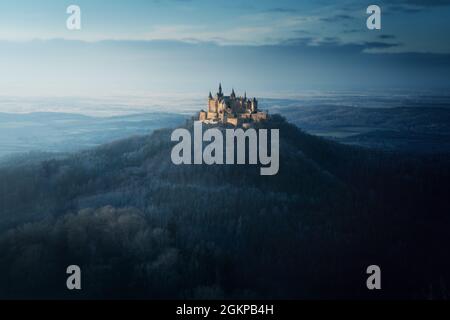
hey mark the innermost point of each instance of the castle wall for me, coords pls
(233, 121)
(245, 116)
(259, 116)
(212, 115)
(213, 106)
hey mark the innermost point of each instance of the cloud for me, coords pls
(281, 10)
(425, 3)
(337, 18)
(403, 8)
(136, 67)
(414, 6)
(351, 31)
(379, 45)
(297, 41)
(337, 43)
(386, 36)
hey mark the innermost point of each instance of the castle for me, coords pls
(233, 110)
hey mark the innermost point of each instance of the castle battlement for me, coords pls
(234, 110)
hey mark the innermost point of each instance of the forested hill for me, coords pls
(141, 227)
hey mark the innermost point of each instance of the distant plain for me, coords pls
(394, 121)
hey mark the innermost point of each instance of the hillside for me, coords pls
(141, 227)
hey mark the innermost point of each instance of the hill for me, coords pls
(141, 227)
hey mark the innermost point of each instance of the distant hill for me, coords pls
(415, 126)
(141, 227)
(407, 122)
(65, 132)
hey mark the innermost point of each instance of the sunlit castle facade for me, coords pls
(234, 110)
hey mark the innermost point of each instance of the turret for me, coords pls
(220, 93)
(254, 105)
(210, 96)
(233, 94)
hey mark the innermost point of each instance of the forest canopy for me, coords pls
(142, 227)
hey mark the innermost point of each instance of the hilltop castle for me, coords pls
(234, 110)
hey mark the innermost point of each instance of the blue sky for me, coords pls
(174, 45)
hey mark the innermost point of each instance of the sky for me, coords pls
(138, 47)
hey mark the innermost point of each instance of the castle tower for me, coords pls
(254, 105)
(220, 93)
(233, 94)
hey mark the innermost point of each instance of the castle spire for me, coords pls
(220, 89)
(210, 96)
(233, 94)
